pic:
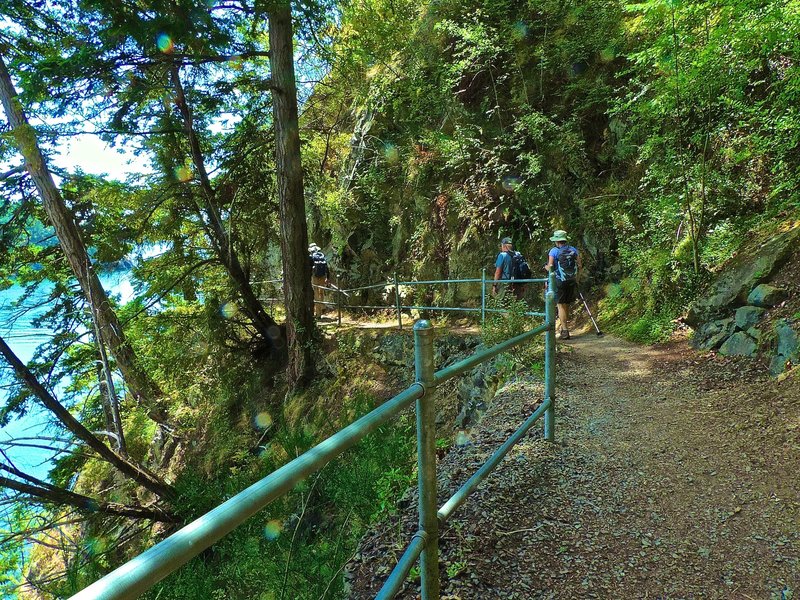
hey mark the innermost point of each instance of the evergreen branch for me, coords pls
(192, 59)
(13, 171)
(41, 491)
(135, 472)
(169, 289)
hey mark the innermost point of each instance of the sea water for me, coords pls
(24, 337)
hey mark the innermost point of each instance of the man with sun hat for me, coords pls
(565, 261)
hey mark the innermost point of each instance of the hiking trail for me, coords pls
(673, 475)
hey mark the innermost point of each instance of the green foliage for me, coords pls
(12, 550)
(500, 327)
(305, 537)
(661, 135)
(648, 329)
(454, 569)
(349, 344)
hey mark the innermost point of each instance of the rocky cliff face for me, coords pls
(753, 307)
(742, 275)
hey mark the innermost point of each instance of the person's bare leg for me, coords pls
(563, 316)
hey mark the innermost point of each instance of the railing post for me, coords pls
(426, 460)
(397, 302)
(339, 294)
(549, 357)
(483, 296)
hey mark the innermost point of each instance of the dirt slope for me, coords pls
(674, 475)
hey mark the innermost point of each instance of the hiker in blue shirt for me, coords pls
(503, 271)
(565, 261)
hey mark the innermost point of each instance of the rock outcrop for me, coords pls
(766, 296)
(739, 336)
(787, 346)
(739, 344)
(741, 276)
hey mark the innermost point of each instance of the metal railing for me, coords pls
(141, 573)
(340, 294)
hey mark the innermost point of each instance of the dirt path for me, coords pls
(673, 476)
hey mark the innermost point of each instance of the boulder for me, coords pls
(766, 295)
(741, 274)
(711, 335)
(748, 316)
(777, 365)
(739, 344)
(754, 333)
(787, 346)
(788, 340)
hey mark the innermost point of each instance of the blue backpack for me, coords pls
(519, 266)
(567, 263)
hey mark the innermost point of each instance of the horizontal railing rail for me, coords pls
(140, 574)
(144, 571)
(399, 307)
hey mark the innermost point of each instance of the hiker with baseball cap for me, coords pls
(565, 261)
(320, 276)
(510, 265)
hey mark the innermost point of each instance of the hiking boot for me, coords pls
(564, 335)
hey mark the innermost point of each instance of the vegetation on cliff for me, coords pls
(663, 135)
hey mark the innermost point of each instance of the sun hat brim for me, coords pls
(559, 236)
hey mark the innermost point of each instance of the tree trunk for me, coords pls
(135, 472)
(50, 494)
(141, 386)
(220, 240)
(298, 294)
(110, 400)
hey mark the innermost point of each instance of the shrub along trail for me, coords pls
(674, 475)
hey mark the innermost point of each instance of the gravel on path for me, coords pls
(672, 476)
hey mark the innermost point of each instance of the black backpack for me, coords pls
(519, 266)
(567, 263)
(320, 265)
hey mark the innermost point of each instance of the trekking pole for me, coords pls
(339, 306)
(586, 306)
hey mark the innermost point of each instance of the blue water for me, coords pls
(24, 338)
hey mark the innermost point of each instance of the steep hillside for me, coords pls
(474, 120)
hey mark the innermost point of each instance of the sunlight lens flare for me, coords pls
(93, 546)
(263, 420)
(608, 54)
(391, 153)
(463, 439)
(272, 530)
(183, 174)
(228, 310)
(164, 43)
(511, 183)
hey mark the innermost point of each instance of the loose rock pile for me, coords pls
(740, 335)
(750, 309)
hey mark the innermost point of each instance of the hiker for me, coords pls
(565, 261)
(509, 265)
(320, 276)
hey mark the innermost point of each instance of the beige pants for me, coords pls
(319, 294)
